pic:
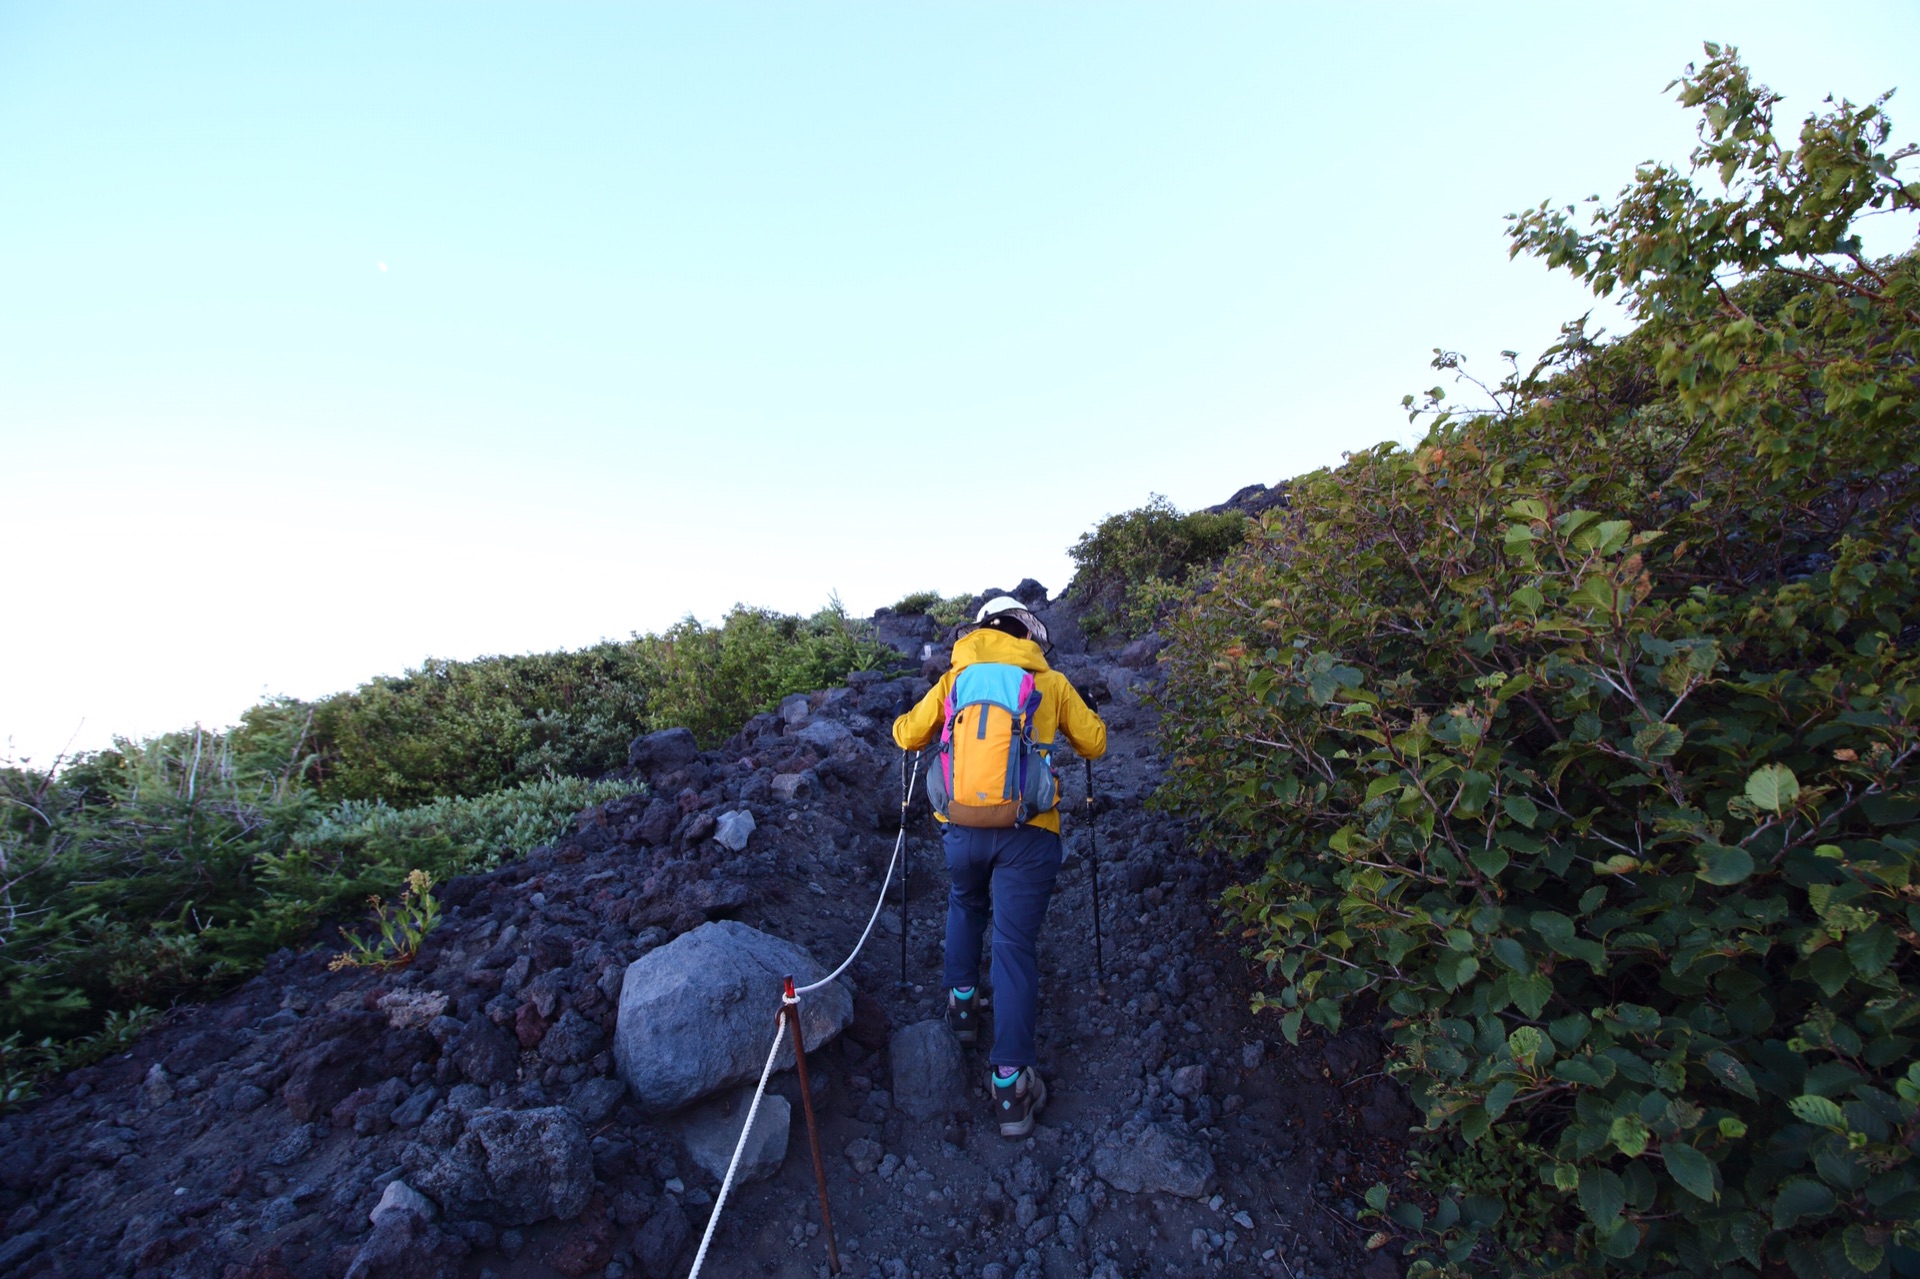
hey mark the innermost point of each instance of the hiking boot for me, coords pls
(963, 1016)
(1016, 1101)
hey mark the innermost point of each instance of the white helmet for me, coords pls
(1009, 607)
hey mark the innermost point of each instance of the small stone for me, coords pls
(732, 830)
(1189, 1081)
(929, 1073)
(791, 788)
(865, 1154)
(1243, 1219)
(657, 1244)
(401, 1199)
(825, 734)
(297, 1142)
(408, 1009)
(596, 1099)
(1156, 1159)
(157, 1088)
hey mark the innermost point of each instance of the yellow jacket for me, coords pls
(1061, 709)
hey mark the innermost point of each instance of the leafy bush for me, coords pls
(1579, 742)
(1132, 563)
(917, 602)
(709, 679)
(169, 868)
(945, 610)
(466, 728)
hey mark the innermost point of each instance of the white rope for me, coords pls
(792, 1002)
(726, 1184)
(899, 844)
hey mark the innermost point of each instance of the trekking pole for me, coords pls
(906, 858)
(1093, 869)
(813, 1132)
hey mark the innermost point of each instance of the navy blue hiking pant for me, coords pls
(1013, 872)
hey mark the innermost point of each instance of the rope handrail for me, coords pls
(789, 1004)
(899, 844)
(746, 1130)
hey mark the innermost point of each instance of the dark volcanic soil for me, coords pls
(251, 1138)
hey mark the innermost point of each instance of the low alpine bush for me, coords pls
(1578, 744)
(1131, 564)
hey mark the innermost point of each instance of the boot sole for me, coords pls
(1025, 1126)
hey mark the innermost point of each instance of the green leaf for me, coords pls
(1621, 1242)
(1511, 954)
(1489, 861)
(1730, 1072)
(1525, 1042)
(1455, 969)
(1773, 787)
(1863, 1252)
(1570, 1030)
(1483, 1210)
(1475, 786)
(1831, 969)
(1377, 1196)
(1530, 992)
(1576, 1070)
(1721, 864)
(1802, 1197)
(1500, 1096)
(1629, 1135)
(1820, 1111)
(1602, 1195)
(1871, 951)
(1521, 809)
(1693, 1170)
(1657, 741)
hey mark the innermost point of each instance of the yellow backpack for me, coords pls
(990, 772)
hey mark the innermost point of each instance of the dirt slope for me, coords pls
(252, 1138)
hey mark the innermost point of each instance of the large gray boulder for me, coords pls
(712, 1131)
(514, 1168)
(929, 1074)
(697, 1015)
(1153, 1160)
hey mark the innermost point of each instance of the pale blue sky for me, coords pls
(684, 305)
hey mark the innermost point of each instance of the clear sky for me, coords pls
(335, 336)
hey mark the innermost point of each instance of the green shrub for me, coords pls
(945, 610)
(918, 602)
(709, 679)
(167, 869)
(1133, 563)
(465, 728)
(1579, 742)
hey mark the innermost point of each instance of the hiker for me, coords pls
(996, 714)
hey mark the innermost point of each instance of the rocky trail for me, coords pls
(554, 1085)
